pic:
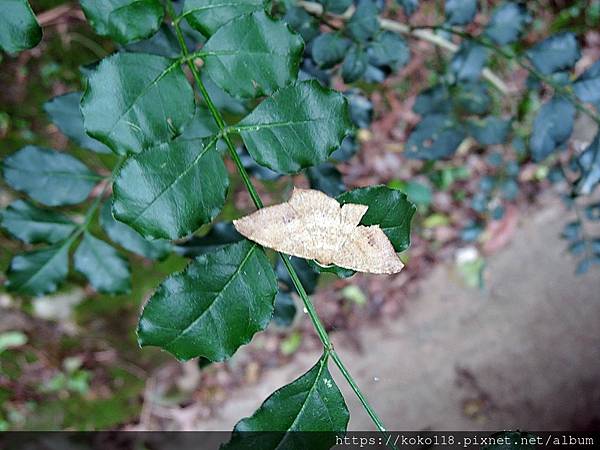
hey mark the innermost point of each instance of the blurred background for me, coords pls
(492, 325)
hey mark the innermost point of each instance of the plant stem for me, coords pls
(310, 309)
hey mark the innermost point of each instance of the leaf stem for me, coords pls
(310, 309)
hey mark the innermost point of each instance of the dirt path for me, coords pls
(524, 352)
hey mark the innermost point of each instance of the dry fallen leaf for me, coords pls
(312, 225)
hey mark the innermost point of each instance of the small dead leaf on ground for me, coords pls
(312, 225)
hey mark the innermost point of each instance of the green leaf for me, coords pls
(435, 99)
(307, 275)
(364, 23)
(214, 306)
(355, 64)
(130, 239)
(489, 131)
(64, 112)
(134, 101)
(207, 16)
(253, 55)
(436, 136)
(284, 309)
(163, 43)
(335, 6)
(556, 53)
(298, 127)
(589, 165)
(409, 6)
(460, 12)
(587, 86)
(469, 61)
(326, 178)
(39, 271)
(388, 208)
(388, 50)
(329, 49)
(107, 271)
(19, 29)
(302, 22)
(124, 20)
(48, 176)
(312, 402)
(340, 272)
(471, 98)
(220, 235)
(202, 125)
(170, 190)
(32, 225)
(551, 128)
(507, 22)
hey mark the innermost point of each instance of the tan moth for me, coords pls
(312, 225)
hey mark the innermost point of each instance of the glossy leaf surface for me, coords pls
(134, 101)
(214, 306)
(170, 190)
(50, 177)
(107, 271)
(253, 55)
(298, 127)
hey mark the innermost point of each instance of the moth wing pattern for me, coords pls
(312, 225)
(368, 249)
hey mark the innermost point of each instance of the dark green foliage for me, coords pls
(214, 306)
(329, 49)
(326, 178)
(240, 61)
(107, 271)
(119, 105)
(39, 272)
(388, 208)
(308, 276)
(124, 20)
(507, 23)
(284, 309)
(469, 61)
(556, 53)
(355, 64)
(589, 166)
(298, 127)
(207, 16)
(32, 225)
(151, 191)
(587, 86)
(489, 131)
(130, 239)
(220, 235)
(410, 6)
(312, 402)
(436, 136)
(336, 6)
(364, 23)
(50, 177)
(460, 12)
(552, 127)
(64, 112)
(387, 49)
(302, 22)
(19, 29)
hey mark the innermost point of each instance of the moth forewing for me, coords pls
(312, 225)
